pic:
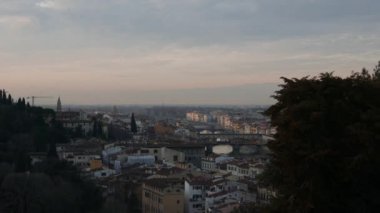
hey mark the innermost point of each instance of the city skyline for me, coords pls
(179, 52)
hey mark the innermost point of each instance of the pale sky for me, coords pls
(179, 51)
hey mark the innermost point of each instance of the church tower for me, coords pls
(59, 105)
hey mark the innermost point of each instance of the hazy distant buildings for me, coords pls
(197, 117)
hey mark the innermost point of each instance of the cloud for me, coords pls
(15, 22)
(47, 4)
(55, 4)
(142, 45)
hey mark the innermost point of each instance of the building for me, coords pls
(81, 159)
(172, 155)
(195, 193)
(265, 194)
(211, 162)
(222, 194)
(237, 168)
(192, 153)
(163, 196)
(197, 117)
(217, 192)
(75, 121)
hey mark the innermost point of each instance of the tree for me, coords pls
(376, 71)
(9, 100)
(23, 103)
(133, 124)
(325, 152)
(4, 98)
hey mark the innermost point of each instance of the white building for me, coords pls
(105, 172)
(195, 193)
(239, 169)
(131, 159)
(210, 163)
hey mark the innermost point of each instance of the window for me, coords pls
(147, 194)
(197, 206)
(178, 201)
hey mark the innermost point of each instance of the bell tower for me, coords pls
(59, 105)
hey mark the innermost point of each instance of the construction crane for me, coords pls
(36, 97)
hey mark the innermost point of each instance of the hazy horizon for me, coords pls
(179, 51)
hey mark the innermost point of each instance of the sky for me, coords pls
(179, 51)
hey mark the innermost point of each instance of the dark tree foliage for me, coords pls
(376, 71)
(26, 129)
(9, 100)
(4, 97)
(97, 126)
(326, 151)
(53, 186)
(249, 208)
(50, 186)
(133, 124)
(89, 197)
(133, 204)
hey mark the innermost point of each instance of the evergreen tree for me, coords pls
(325, 152)
(1, 96)
(133, 124)
(18, 104)
(9, 100)
(4, 98)
(52, 151)
(23, 103)
(376, 71)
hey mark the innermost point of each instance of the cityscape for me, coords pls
(208, 157)
(189, 106)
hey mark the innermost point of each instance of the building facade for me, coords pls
(162, 195)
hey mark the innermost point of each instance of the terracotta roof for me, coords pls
(162, 182)
(199, 180)
(169, 171)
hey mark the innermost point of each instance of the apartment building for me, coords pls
(161, 195)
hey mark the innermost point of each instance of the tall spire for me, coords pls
(59, 105)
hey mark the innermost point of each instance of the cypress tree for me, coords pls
(376, 71)
(23, 103)
(1, 96)
(9, 101)
(18, 104)
(4, 98)
(133, 124)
